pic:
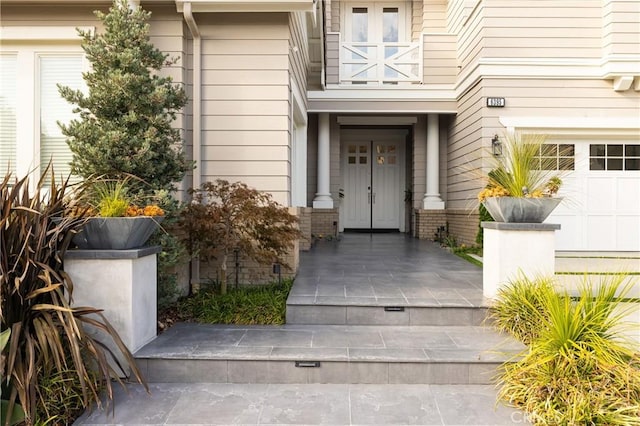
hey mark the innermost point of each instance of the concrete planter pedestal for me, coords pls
(513, 249)
(124, 284)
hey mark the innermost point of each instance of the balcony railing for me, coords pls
(381, 63)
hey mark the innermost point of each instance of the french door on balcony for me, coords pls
(373, 181)
(376, 47)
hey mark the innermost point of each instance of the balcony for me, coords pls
(381, 63)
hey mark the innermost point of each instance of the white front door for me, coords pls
(373, 172)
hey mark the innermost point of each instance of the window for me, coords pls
(67, 71)
(557, 157)
(8, 113)
(31, 66)
(614, 157)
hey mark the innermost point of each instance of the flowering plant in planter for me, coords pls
(117, 220)
(520, 188)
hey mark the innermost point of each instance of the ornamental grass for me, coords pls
(579, 369)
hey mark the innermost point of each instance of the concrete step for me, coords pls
(304, 404)
(306, 310)
(197, 353)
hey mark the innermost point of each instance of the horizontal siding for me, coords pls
(562, 98)
(434, 16)
(332, 53)
(542, 28)
(621, 27)
(440, 62)
(245, 89)
(244, 93)
(246, 137)
(465, 140)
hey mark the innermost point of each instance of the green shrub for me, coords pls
(248, 305)
(578, 370)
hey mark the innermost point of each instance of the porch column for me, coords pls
(432, 200)
(323, 198)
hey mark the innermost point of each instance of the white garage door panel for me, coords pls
(570, 233)
(601, 195)
(628, 232)
(628, 195)
(601, 232)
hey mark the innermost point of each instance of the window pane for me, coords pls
(67, 71)
(567, 150)
(614, 150)
(390, 24)
(632, 150)
(352, 159)
(566, 164)
(360, 25)
(392, 159)
(352, 149)
(614, 164)
(8, 102)
(596, 150)
(632, 164)
(596, 164)
(380, 159)
(549, 150)
(363, 160)
(363, 149)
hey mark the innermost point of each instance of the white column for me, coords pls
(323, 198)
(432, 200)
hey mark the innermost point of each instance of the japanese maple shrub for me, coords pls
(225, 217)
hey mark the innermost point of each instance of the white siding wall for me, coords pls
(621, 27)
(246, 100)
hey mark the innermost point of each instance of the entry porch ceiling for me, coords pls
(248, 5)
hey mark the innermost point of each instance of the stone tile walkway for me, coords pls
(315, 404)
(385, 269)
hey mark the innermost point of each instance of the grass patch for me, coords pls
(264, 304)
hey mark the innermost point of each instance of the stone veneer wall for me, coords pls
(426, 223)
(324, 222)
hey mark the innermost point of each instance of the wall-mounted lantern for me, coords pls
(496, 146)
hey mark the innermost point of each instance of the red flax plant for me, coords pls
(225, 217)
(48, 334)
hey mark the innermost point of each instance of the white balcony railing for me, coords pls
(381, 63)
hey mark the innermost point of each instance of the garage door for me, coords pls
(601, 209)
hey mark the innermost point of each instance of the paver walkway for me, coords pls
(393, 321)
(310, 404)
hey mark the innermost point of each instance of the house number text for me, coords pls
(496, 102)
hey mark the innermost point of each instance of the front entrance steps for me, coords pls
(302, 310)
(197, 353)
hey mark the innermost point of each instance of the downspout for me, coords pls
(323, 25)
(196, 117)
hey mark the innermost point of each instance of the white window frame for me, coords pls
(29, 44)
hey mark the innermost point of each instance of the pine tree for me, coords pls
(125, 119)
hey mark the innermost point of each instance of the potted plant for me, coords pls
(117, 218)
(519, 189)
